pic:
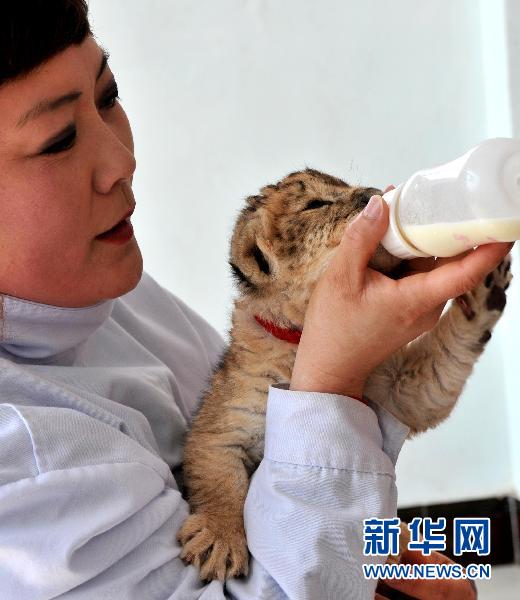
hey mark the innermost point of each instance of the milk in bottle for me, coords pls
(456, 206)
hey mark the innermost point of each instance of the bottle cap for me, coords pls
(394, 242)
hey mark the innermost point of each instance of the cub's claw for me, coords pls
(216, 546)
(490, 295)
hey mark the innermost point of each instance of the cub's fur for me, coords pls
(283, 241)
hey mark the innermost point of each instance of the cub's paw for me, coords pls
(486, 302)
(217, 547)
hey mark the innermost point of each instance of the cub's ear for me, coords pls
(251, 257)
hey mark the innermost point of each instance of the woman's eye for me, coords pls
(109, 101)
(316, 203)
(65, 143)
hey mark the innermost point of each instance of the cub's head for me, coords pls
(285, 237)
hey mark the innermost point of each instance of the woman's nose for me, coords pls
(113, 166)
(115, 161)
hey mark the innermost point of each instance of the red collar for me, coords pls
(282, 333)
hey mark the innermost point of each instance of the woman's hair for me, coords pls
(32, 31)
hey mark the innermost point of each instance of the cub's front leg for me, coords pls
(421, 383)
(213, 536)
(222, 450)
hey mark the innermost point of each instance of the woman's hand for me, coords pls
(357, 317)
(429, 589)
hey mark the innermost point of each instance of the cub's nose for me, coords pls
(363, 195)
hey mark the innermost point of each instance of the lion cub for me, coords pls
(283, 241)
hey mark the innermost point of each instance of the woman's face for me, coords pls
(65, 178)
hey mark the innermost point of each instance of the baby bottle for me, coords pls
(472, 200)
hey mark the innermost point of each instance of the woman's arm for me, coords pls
(85, 510)
(88, 512)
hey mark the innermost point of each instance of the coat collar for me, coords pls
(32, 330)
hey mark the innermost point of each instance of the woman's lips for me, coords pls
(119, 234)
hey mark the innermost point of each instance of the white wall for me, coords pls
(225, 96)
(476, 453)
(511, 328)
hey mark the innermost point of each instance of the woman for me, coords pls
(101, 368)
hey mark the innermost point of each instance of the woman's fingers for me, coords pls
(428, 589)
(390, 187)
(454, 276)
(360, 240)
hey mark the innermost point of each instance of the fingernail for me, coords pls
(374, 207)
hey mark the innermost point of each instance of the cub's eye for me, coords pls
(317, 203)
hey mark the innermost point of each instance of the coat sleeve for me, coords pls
(85, 510)
(328, 465)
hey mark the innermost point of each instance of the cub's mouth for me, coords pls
(387, 263)
(400, 270)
